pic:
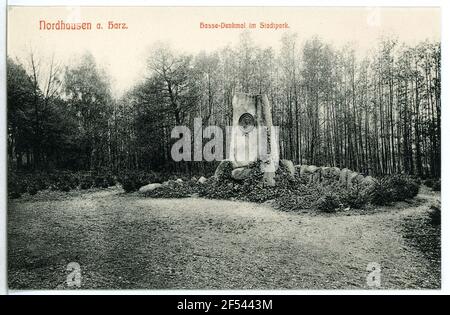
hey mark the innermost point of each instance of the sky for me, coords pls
(122, 52)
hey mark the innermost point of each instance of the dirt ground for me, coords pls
(131, 242)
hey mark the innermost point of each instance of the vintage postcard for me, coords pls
(223, 148)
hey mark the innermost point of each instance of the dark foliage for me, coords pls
(355, 198)
(20, 183)
(292, 193)
(437, 185)
(434, 184)
(435, 214)
(394, 188)
(329, 202)
(175, 189)
(132, 180)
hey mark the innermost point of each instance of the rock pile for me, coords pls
(315, 174)
(343, 176)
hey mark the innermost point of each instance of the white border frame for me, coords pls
(445, 145)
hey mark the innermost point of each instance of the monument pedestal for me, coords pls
(253, 137)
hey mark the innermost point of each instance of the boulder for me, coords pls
(223, 170)
(312, 169)
(240, 173)
(315, 173)
(303, 169)
(239, 164)
(170, 183)
(316, 177)
(326, 170)
(359, 179)
(343, 175)
(335, 171)
(350, 178)
(269, 179)
(368, 181)
(179, 180)
(202, 180)
(289, 166)
(149, 187)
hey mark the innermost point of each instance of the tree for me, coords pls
(88, 94)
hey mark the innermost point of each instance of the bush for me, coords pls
(295, 202)
(402, 187)
(328, 203)
(129, 183)
(110, 180)
(380, 194)
(291, 193)
(173, 189)
(433, 183)
(354, 198)
(65, 181)
(394, 188)
(32, 189)
(15, 186)
(41, 181)
(100, 181)
(435, 214)
(437, 185)
(63, 186)
(428, 182)
(132, 180)
(252, 188)
(223, 171)
(86, 182)
(19, 183)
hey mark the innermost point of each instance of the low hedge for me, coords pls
(20, 183)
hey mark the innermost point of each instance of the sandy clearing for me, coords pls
(124, 241)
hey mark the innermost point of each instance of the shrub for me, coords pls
(291, 193)
(296, 202)
(63, 186)
(65, 181)
(98, 181)
(217, 189)
(354, 198)
(433, 183)
(15, 186)
(173, 189)
(380, 194)
(223, 171)
(101, 181)
(129, 183)
(110, 180)
(132, 180)
(105, 183)
(251, 188)
(394, 188)
(19, 183)
(435, 214)
(86, 182)
(429, 182)
(328, 203)
(32, 189)
(14, 194)
(402, 187)
(437, 185)
(41, 181)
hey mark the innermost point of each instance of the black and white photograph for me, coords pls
(223, 148)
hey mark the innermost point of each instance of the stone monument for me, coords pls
(253, 137)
